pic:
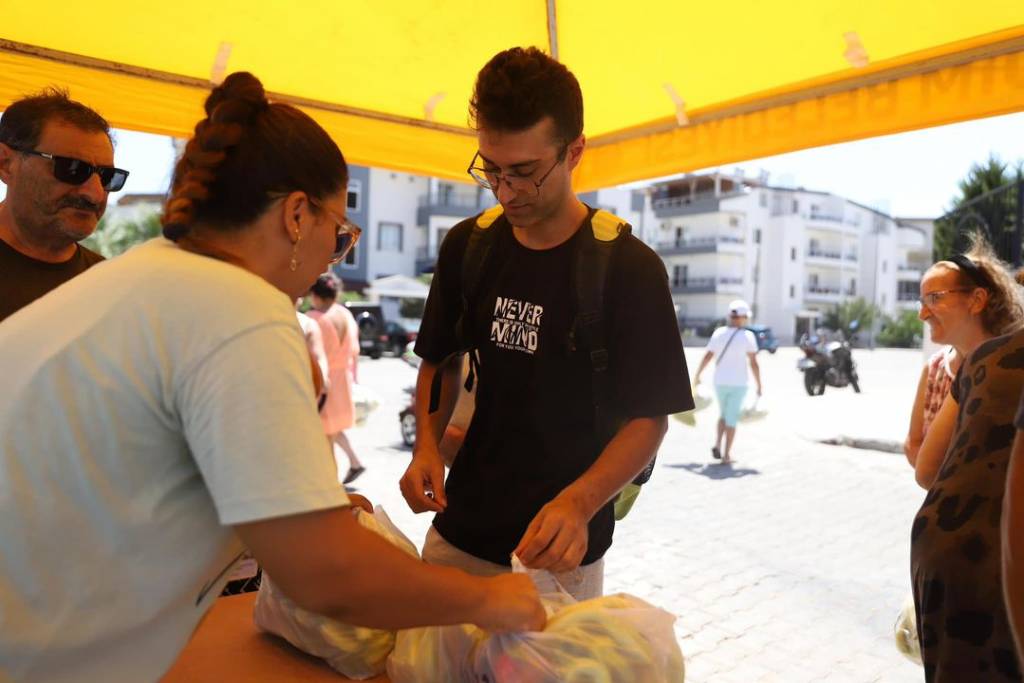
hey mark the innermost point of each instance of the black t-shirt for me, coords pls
(533, 432)
(24, 279)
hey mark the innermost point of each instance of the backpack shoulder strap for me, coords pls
(590, 279)
(474, 263)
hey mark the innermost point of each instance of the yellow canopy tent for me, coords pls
(669, 86)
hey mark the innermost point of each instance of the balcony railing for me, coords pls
(704, 243)
(831, 254)
(831, 217)
(457, 205)
(701, 285)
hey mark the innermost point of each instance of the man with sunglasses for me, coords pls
(56, 159)
(538, 469)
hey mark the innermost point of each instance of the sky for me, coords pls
(907, 175)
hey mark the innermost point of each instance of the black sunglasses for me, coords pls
(75, 171)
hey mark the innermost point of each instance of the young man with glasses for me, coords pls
(538, 471)
(56, 158)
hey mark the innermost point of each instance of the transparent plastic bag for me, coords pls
(435, 653)
(754, 409)
(613, 639)
(905, 631)
(353, 651)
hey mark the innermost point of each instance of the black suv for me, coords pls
(373, 337)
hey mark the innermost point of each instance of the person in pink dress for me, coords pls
(341, 343)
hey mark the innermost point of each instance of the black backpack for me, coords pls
(588, 330)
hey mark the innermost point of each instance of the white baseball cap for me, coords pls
(739, 307)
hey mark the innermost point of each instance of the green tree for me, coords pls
(989, 214)
(113, 238)
(905, 331)
(841, 315)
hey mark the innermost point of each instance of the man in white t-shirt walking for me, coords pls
(733, 346)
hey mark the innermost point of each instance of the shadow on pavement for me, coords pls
(714, 470)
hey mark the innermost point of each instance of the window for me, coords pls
(885, 266)
(792, 292)
(351, 260)
(792, 254)
(853, 287)
(441, 232)
(355, 193)
(757, 236)
(796, 206)
(764, 200)
(389, 236)
(734, 221)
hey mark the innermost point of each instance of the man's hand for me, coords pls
(423, 482)
(557, 537)
(512, 604)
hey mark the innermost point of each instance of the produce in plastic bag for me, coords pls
(353, 651)
(905, 632)
(435, 653)
(612, 639)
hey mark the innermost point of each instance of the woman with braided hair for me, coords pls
(157, 433)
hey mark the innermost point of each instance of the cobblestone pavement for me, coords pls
(790, 565)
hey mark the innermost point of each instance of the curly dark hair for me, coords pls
(243, 152)
(519, 87)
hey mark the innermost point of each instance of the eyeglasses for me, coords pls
(491, 179)
(347, 233)
(931, 298)
(76, 172)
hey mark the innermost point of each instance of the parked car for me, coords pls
(766, 340)
(372, 336)
(398, 338)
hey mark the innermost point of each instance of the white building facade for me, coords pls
(792, 253)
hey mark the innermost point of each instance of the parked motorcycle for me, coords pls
(407, 417)
(828, 362)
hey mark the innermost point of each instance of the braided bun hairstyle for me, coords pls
(245, 150)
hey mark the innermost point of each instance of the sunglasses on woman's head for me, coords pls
(76, 172)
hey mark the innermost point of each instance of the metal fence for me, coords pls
(998, 215)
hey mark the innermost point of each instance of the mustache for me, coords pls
(80, 203)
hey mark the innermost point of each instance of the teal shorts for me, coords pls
(730, 402)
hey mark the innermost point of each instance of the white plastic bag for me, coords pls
(905, 631)
(435, 653)
(614, 639)
(754, 410)
(366, 401)
(353, 651)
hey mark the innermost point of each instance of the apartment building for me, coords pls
(792, 253)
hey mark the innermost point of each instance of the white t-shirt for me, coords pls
(146, 406)
(731, 368)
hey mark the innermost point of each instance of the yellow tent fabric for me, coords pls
(668, 86)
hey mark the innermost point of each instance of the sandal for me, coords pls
(353, 474)
(715, 453)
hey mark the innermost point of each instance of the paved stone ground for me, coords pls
(788, 566)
